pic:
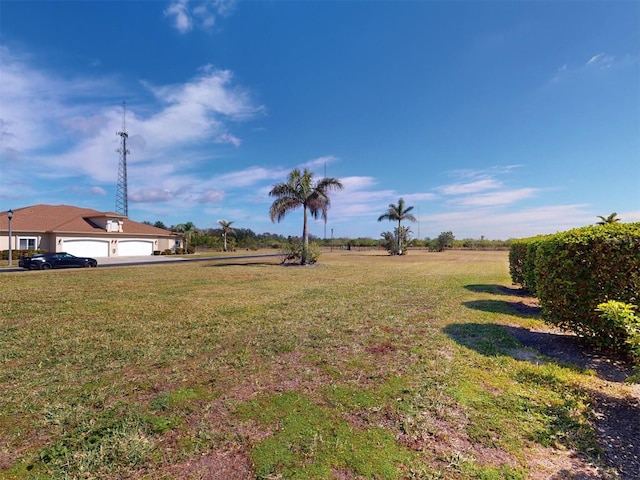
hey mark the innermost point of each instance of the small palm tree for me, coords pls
(301, 191)
(398, 213)
(226, 230)
(613, 218)
(188, 230)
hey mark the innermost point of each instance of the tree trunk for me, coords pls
(305, 237)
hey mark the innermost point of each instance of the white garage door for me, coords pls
(87, 248)
(129, 248)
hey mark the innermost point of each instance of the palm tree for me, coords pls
(613, 218)
(398, 213)
(301, 191)
(226, 229)
(187, 229)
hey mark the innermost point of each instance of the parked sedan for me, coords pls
(45, 261)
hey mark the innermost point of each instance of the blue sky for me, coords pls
(496, 119)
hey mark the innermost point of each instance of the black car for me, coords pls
(45, 261)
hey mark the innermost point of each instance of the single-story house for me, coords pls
(82, 232)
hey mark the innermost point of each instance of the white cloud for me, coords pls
(151, 195)
(211, 196)
(179, 11)
(246, 177)
(500, 224)
(501, 197)
(203, 15)
(598, 62)
(357, 183)
(319, 163)
(471, 187)
(601, 60)
(60, 127)
(228, 138)
(418, 197)
(198, 109)
(97, 191)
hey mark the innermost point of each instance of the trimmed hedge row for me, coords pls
(16, 254)
(573, 272)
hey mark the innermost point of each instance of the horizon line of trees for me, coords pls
(246, 238)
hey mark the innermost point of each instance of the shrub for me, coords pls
(16, 254)
(522, 262)
(621, 316)
(517, 254)
(396, 243)
(293, 251)
(577, 270)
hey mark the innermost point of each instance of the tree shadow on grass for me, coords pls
(617, 421)
(521, 309)
(244, 264)
(498, 290)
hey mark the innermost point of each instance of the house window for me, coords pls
(28, 243)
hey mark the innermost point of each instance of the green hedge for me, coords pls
(573, 272)
(522, 255)
(16, 254)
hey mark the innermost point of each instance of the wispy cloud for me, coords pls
(64, 127)
(471, 187)
(211, 196)
(500, 224)
(595, 63)
(484, 189)
(247, 177)
(319, 163)
(185, 16)
(151, 195)
(503, 197)
(601, 60)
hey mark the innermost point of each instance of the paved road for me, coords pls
(147, 259)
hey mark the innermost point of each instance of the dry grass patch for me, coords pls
(366, 366)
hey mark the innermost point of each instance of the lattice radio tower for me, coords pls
(122, 203)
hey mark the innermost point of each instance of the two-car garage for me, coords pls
(100, 248)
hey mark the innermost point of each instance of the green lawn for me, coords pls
(365, 366)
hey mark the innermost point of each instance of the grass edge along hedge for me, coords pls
(573, 272)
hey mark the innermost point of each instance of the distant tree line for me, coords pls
(247, 239)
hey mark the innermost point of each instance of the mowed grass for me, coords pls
(365, 366)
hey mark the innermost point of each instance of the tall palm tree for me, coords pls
(398, 213)
(188, 230)
(226, 230)
(301, 191)
(613, 218)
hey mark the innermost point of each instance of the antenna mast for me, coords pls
(122, 204)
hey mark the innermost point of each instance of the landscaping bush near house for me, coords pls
(16, 254)
(572, 272)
